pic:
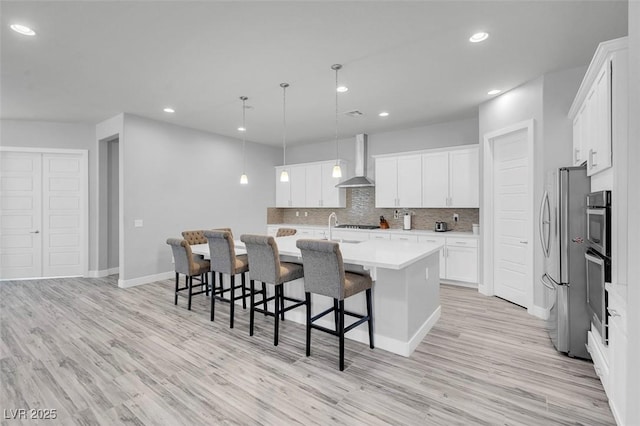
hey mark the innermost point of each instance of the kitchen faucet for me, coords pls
(335, 216)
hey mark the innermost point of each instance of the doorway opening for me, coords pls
(108, 262)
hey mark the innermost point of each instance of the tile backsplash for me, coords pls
(361, 210)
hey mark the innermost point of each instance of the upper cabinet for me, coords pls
(398, 181)
(433, 179)
(598, 105)
(451, 178)
(310, 185)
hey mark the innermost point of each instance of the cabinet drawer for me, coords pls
(462, 242)
(402, 237)
(375, 236)
(427, 239)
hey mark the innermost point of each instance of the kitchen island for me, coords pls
(406, 294)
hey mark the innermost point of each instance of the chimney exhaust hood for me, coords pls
(360, 179)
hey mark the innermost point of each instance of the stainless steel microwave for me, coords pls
(599, 222)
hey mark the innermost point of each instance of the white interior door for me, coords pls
(63, 211)
(20, 215)
(512, 218)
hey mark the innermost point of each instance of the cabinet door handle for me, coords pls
(34, 232)
(576, 153)
(594, 158)
(524, 242)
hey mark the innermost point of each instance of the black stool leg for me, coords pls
(190, 281)
(282, 302)
(277, 315)
(341, 331)
(206, 281)
(264, 298)
(336, 312)
(233, 303)
(244, 290)
(213, 294)
(370, 321)
(175, 298)
(251, 305)
(307, 297)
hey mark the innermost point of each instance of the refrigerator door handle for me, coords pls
(543, 280)
(544, 208)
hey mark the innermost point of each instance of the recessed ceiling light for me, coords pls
(342, 89)
(242, 129)
(22, 29)
(169, 110)
(384, 114)
(494, 92)
(478, 37)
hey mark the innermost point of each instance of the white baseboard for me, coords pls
(146, 279)
(539, 311)
(459, 283)
(103, 272)
(361, 334)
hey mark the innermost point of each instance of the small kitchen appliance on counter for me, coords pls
(383, 223)
(441, 227)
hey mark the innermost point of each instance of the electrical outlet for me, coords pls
(297, 213)
(396, 214)
(456, 217)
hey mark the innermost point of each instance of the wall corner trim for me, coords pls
(539, 312)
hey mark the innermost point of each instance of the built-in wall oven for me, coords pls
(598, 261)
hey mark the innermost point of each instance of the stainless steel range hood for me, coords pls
(360, 179)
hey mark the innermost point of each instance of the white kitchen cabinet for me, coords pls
(462, 259)
(616, 390)
(580, 133)
(297, 179)
(464, 174)
(600, 106)
(398, 181)
(443, 261)
(435, 179)
(451, 178)
(338, 234)
(404, 237)
(310, 185)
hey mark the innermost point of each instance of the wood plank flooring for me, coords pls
(103, 355)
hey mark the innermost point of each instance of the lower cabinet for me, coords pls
(458, 257)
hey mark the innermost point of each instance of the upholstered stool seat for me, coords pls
(224, 261)
(190, 266)
(267, 268)
(324, 274)
(285, 232)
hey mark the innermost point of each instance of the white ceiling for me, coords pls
(92, 60)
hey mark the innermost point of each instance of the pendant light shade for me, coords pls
(244, 180)
(284, 176)
(337, 171)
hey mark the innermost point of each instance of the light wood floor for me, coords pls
(102, 355)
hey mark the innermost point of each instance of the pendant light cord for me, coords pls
(337, 115)
(284, 123)
(244, 126)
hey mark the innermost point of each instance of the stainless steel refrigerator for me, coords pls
(564, 242)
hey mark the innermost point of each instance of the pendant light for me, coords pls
(337, 171)
(244, 180)
(284, 176)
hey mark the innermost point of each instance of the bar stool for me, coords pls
(324, 274)
(224, 261)
(189, 266)
(267, 268)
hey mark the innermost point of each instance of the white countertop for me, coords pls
(468, 234)
(372, 253)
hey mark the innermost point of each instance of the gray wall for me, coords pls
(633, 302)
(175, 179)
(113, 235)
(462, 132)
(41, 134)
(547, 100)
